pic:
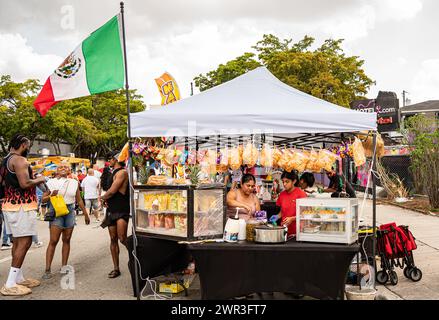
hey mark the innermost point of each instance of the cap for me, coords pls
(113, 155)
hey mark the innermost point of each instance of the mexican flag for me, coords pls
(95, 66)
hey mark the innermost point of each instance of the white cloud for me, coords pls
(186, 55)
(425, 84)
(20, 61)
(351, 26)
(401, 61)
(196, 35)
(356, 22)
(398, 9)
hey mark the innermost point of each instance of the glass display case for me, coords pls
(333, 220)
(182, 213)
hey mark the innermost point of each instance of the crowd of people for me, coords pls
(26, 195)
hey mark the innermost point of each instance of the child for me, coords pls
(287, 201)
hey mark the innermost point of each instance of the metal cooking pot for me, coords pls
(270, 234)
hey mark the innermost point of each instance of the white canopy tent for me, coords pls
(256, 102)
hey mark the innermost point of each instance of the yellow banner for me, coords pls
(168, 88)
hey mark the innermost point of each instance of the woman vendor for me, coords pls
(243, 198)
(287, 201)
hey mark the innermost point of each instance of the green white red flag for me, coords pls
(95, 66)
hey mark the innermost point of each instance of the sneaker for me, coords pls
(16, 290)
(38, 244)
(30, 283)
(6, 246)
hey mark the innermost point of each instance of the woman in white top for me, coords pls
(69, 189)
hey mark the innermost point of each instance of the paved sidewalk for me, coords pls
(425, 229)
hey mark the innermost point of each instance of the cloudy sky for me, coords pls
(396, 38)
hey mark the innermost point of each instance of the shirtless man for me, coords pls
(117, 201)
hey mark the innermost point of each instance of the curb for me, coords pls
(386, 294)
(380, 201)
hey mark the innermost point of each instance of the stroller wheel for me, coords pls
(382, 277)
(393, 278)
(407, 271)
(415, 274)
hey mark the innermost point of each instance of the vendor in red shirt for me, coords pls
(287, 201)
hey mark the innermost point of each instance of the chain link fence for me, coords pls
(395, 164)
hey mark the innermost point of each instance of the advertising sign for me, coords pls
(386, 105)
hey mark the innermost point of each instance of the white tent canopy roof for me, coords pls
(256, 102)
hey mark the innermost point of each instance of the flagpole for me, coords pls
(130, 162)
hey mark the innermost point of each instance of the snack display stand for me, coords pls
(180, 213)
(333, 220)
(254, 104)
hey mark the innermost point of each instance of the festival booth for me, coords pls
(259, 122)
(48, 165)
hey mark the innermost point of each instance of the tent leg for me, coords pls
(374, 204)
(133, 219)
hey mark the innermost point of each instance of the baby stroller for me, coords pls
(395, 245)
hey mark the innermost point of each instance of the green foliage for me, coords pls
(91, 124)
(325, 72)
(229, 71)
(422, 133)
(15, 114)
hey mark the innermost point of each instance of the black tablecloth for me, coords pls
(157, 257)
(229, 270)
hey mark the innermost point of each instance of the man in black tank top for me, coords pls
(117, 201)
(19, 209)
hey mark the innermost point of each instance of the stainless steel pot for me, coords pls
(270, 234)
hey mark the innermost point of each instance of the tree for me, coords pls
(325, 72)
(16, 113)
(229, 71)
(422, 133)
(91, 124)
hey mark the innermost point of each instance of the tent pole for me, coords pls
(374, 205)
(130, 158)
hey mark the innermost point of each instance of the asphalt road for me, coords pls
(91, 258)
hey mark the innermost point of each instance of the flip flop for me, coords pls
(114, 274)
(47, 275)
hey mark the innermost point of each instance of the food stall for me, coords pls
(49, 164)
(253, 120)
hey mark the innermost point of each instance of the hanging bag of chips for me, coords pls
(235, 159)
(300, 160)
(250, 155)
(277, 155)
(267, 156)
(358, 153)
